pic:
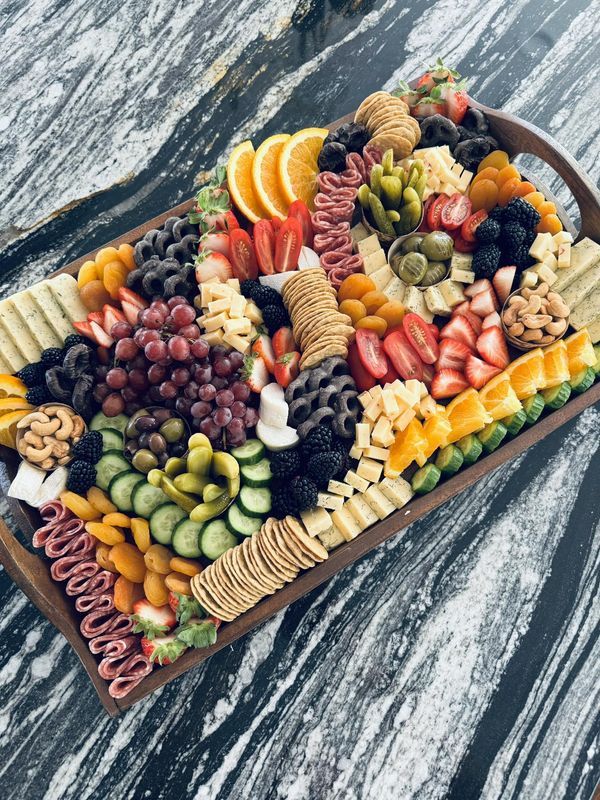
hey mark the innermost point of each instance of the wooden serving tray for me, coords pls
(32, 574)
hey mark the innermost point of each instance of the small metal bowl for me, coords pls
(22, 431)
(517, 343)
(387, 241)
(149, 410)
(394, 251)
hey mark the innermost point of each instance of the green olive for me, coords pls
(144, 461)
(412, 269)
(411, 244)
(437, 246)
(131, 429)
(173, 429)
(436, 271)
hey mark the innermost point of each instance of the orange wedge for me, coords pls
(410, 445)
(239, 181)
(499, 398)
(265, 176)
(298, 168)
(436, 429)
(556, 364)
(466, 414)
(8, 427)
(527, 373)
(8, 404)
(580, 351)
(11, 386)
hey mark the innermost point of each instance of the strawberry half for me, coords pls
(478, 286)
(101, 337)
(85, 329)
(287, 368)
(152, 620)
(216, 242)
(283, 341)
(460, 330)
(213, 265)
(112, 315)
(255, 374)
(492, 320)
(129, 296)
(164, 649)
(448, 383)
(453, 355)
(491, 346)
(503, 282)
(484, 303)
(131, 312)
(263, 347)
(478, 372)
(184, 607)
(464, 310)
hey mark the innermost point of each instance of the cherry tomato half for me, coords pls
(288, 245)
(434, 212)
(421, 338)
(363, 379)
(455, 211)
(404, 359)
(470, 225)
(242, 256)
(264, 245)
(371, 352)
(299, 209)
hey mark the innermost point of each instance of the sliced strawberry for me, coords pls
(283, 341)
(479, 373)
(453, 355)
(164, 649)
(255, 373)
(131, 312)
(101, 337)
(262, 347)
(503, 282)
(216, 242)
(457, 104)
(460, 308)
(492, 320)
(491, 346)
(287, 368)
(184, 607)
(474, 320)
(97, 317)
(112, 315)
(460, 330)
(427, 107)
(448, 383)
(213, 265)
(128, 296)
(484, 303)
(152, 620)
(476, 287)
(85, 329)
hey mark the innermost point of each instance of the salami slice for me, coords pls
(69, 566)
(108, 643)
(124, 665)
(54, 511)
(120, 647)
(79, 580)
(97, 622)
(65, 543)
(136, 672)
(94, 602)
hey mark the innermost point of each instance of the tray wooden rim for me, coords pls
(31, 573)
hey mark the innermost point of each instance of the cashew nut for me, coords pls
(547, 339)
(78, 426)
(22, 446)
(51, 410)
(37, 456)
(558, 308)
(553, 296)
(533, 306)
(64, 460)
(66, 429)
(47, 463)
(510, 316)
(35, 416)
(557, 327)
(60, 449)
(542, 289)
(526, 292)
(516, 329)
(46, 428)
(32, 438)
(535, 320)
(518, 301)
(532, 335)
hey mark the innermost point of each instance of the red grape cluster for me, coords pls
(163, 361)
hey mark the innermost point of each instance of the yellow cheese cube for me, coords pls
(234, 283)
(378, 453)
(380, 504)
(212, 323)
(330, 501)
(205, 294)
(369, 470)
(316, 520)
(354, 480)
(214, 337)
(216, 306)
(252, 311)
(369, 245)
(237, 306)
(361, 511)
(346, 524)
(402, 420)
(364, 398)
(355, 452)
(373, 410)
(381, 430)
(363, 434)
(389, 402)
(241, 326)
(221, 290)
(376, 391)
(337, 487)
(237, 342)
(331, 539)
(374, 261)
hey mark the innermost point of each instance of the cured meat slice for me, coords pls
(97, 622)
(94, 602)
(54, 511)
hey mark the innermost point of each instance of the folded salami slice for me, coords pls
(91, 579)
(136, 672)
(120, 647)
(97, 622)
(124, 665)
(103, 644)
(69, 567)
(54, 511)
(94, 602)
(67, 543)
(329, 243)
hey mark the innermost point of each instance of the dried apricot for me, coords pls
(354, 309)
(79, 506)
(507, 190)
(177, 582)
(126, 255)
(392, 312)
(487, 174)
(87, 272)
(103, 557)
(373, 323)
(105, 533)
(549, 224)
(141, 533)
(155, 589)
(524, 189)
(104, 257)
(158, 559)
(126, 593)
(373, 300)
(497, 159)
(115, 276)
(101, 501)
(534, 198)
(118, 519)
(187, 566)
(483, 194)
(354, 286)
(94, 296)
(507, 173)
(547, 207)
(129, 561)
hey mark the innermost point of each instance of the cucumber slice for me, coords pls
(492, 435)
(112, 463)
(426, 479)
(515, 421)
(146, 498)
(112, 439)
(470, 447)
(186, 538)
(255, 502)
(533, 407)
(121, 489)
(557, 396)
(163, 521)
(240, 523)
(249, 453)
(450, 459)
(581, 381)
(100, 420)
(215, 539)
(596, 366)
(257, 475)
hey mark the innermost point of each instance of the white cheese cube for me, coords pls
(375, 261)
(234, 340)
(364, 398)
(331, 539)
(402, 420)
(355, 452)
(541, 244)
(240, 326)
(397, 490)
(337, 487)
(316, 520)
(564, 255)
(212, 323)
(368, 469)
(462, 275)
(462, 261)
(562, 237)
(216, 306)
(381, 277)
(550, 260)
(345, 522)
(380, 504)
(330, 501)
(216, 337)
(389, 472)
(237, 306)
(435, 301)
(452, 292)
(361, 511)
(528, 280)
(253, 312)
(379, 453)
(415, 302)
(373, 410)
(363, 434)
(358, 234)
(369, 245)
(381, 431)
(354, 480)
(389, 402)
(544, 273)
(395, 289)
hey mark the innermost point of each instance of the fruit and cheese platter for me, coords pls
(348, 325)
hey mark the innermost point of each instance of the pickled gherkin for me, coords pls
(398, 172)
(410, 196)
(421, 185)
(379, 215)
(387, 162)
(363, 195)
(412, 268)
(437, 245)
(391, 191)
(376, 176)
(411, 245)
(393, 215)
(410, 216)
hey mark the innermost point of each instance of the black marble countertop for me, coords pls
(460, 659)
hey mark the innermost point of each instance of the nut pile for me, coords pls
(46, 436)
(536, 316)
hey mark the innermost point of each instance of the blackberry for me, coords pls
(318, 440)
(324, 466)
(52, 357)
(530, 237)
(265, 296)
(73, 339)
(488, 231)
(282, 502)
(513, 236)
(496, 214)
(520, 258)
(39, 394)
(89, 447)
(275, 317)
(304, 493)
(486, 260)
(286, 463)
(519, 210)
(81, 477)
(31, 375)
(341, 446)
(249, 288)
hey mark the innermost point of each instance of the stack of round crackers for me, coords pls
(263, 563)
(319, 328)
(390, 124)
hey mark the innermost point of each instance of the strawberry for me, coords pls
(463, 310)
(503, 282)
(218, 242)
(478, 286)
(287, 368)
(409, 96)
(197, 633)
(255, 373)
(212, 265)
(453, 355)
(460, 308)
(478, 372)
(263, 347)
(436, 74)
(484, 303)
(491, 320)
(101, 337)
(112, 315)
(84, 328)
(457, 102)
(448, 383)
(283, 341)
(427, 107)
(164, 649)
(460, 330)
(491, 346)
(97, 317)
(128, 296)
(184, 607)
(131, 312)
(152, 620)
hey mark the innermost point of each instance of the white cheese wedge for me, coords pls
(19, 334)
(374, 262)
(361, 511)
(65, 290)
(369, 245)
(544, 273)
(279, 279)
(276, 439)
(8, 350)
(316, 520)
(382, 277)
(54, 313)
(331, 501)
(273, 410)
(435, 301)
(358, 234)
(583, 256)
(452, 292)
(415, 302)
(331, 539)
(380, 504)
(397, 490)
(395, 289)
(346, 524)
(52, 487)
(27, 483)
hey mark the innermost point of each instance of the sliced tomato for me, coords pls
(287, 245)
(428, 374)
(434, 212)
(455, 211)
(391, 375)
(424, 226)
(470, 225)
(264, 246)
(404, 359)
(435, 331)
(420, 338)
(242, 255)
(371, 353)
(299, 209)
(228, 222)
(462, 245)
(363, 379)
(276, 223)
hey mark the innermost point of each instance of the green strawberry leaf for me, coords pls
(197, 634)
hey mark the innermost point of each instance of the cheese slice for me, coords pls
(374, 261)
(397, 490)
(395, 289)
(54, 313)
(354, 480)
(358, 233)
(452, 292)
(594, 330)
(583, 256)
(435, 301)
(369, 470)
(579, 289)
(369, 245)
(5, 368)
(331, 539)
(34, 319)
(361, 511)
(564, 255)
(345, 522)
(19, 334)
(8, 350)
(64, 288)
(382, 277)
(380, 504)
(586, 311)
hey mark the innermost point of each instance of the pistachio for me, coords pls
(535, 320)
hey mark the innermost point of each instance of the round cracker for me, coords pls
(263, 569)
(282, 554)
(246, 566)
(242, 586)
(216, 584)
(282, 572)
(362, 111)
(310, 546)
(291, 545)
(205, 597)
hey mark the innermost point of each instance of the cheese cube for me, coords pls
(234, 283)
(364, 398)
(402, 420)
(316, 520)
(237, 306)
(368, 469)
(381, 277)
(564, 255)
(355, 452)
(237, 342)
(378, 453)
(544, 273)
(361, 511)
(337, 487)
(216, 306)
(212, 323)
(373, 410)
(452, 292)
(381, 431)
(380, 504)
(345, 522)
(363, 434)
(369, 245)
(461, 261)
(551, 261)
(427, 407)
(416, 389)
(397, 490)
(435, 301)
(205, 294)
(215, 337)
(541, 244)
(395, 289)
(221, 290)
(252, 311)
(374, 262)
(331, 539)
(241, 326)
(465, 180)
(330, 501)
(354, 480)
(528, 280)
(389, 403)
(462, 275)
(402, 394)
(358, 233)
(376, 391)
(562, 237)
(415, 302)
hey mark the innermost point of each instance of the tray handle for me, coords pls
(523, 137)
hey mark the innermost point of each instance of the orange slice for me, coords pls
(466, 414)
(298, 168)
(239, 181)
(527, 373)
(8, 427)
(556, 364)
(436, 429)
(409, 446)
(8, 404)
(499, 398)
(11, 386)
(265, 176)
(580, 351)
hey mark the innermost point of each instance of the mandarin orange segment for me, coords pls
(499, 398)
(524, 189)
(549, 224)
(177, 582)
(87, 272)
(580, 351)
(103, 557)
(158, 558)
(507, 173)
(487, 174)
(354, 286)
(392, 312)
(104, 257)
(126, 593)
(79, 506)
(94, 296)
(101, 501)
(373, 323)
(187, 566)
(11, 386)
(140, 530)
(354, 309)
(466, 414)
(527, 374)
(556, 364)
(155, 588)
(534, 198)
(497, 159)
(409, 445)
(436, 429)
(129, 561)
(114, 278)
(483, 195)
(547, 207)
(126, 252)
(507, 191)
(373, 300)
